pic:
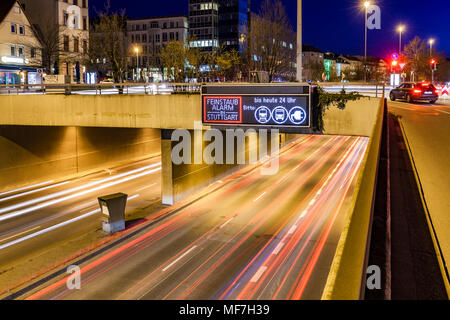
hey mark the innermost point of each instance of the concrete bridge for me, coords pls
(72, 135)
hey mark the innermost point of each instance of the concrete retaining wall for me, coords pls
(124, 111)
(36, 154)
(347, 274)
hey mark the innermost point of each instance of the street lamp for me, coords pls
(400, 30)
(299, 42)
(366, 5)
(136, 49)
(431, 42)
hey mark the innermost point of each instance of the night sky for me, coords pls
(335, 25)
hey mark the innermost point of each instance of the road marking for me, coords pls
(140, 189)
(278, 248)
(258, 274)
(179, 258)
(18, 234)
(304, 213)
(262, 195)
(9, 244)
(133, 197)
(291, 231)
(223, 225)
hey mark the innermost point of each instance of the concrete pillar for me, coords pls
(181, 180)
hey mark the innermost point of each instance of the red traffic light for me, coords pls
(433, 61)
(394, 63)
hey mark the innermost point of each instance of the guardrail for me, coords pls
(370, 90)
(102, 89)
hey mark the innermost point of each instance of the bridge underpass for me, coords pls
(348, 122)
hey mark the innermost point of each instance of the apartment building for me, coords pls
(20, 50)
(67, 23)
(146, 37)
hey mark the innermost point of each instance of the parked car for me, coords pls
(415, 91)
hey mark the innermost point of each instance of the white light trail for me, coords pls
(52, 202)
(64, 192)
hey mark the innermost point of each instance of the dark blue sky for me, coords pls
(336, 25)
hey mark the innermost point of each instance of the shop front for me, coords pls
(16, 75)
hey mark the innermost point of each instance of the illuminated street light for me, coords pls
(431, 42)
(400, 29)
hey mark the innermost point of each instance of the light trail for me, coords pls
(33, 191)
(59, 200)
(6, 245)
(67, 191)
(25, 188)
(153, 232)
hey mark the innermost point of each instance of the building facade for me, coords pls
(313, 61)
(233, 24)
(20, 50)
(69, 19)
(146, 37)
(204, 24)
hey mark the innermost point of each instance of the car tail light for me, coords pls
(417, 91)
(436, 91)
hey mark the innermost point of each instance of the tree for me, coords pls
(228, 64)
(316, 69)
(174, 59)
(270, 39)
(417, 58)
(108, 43)
(50, 41)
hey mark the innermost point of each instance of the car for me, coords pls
(415, 91)
(107, 81)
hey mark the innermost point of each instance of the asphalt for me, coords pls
(35, 219)
(249, 236)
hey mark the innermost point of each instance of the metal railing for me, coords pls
(164, 88)
(102, 89)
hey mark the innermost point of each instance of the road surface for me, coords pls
(35, 217)
(250, 236)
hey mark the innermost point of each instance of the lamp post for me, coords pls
(400, 30)
(431, 42)
(136, 49)
(299, 42)
(366, 5)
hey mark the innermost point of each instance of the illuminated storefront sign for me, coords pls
(17, 60)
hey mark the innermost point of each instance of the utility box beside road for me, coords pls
(113, 212)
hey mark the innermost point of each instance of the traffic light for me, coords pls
(394, 66)
(434, 64)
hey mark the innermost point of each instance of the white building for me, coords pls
(146, 37)
(20, 50)
(69, 20)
